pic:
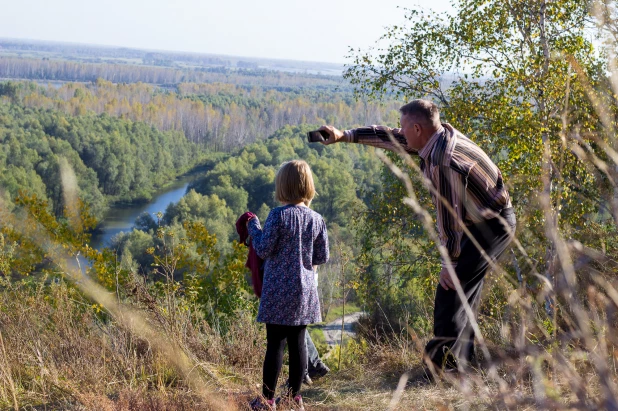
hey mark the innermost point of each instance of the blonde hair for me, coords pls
(294, 183)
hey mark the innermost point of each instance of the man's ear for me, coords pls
(417, 128)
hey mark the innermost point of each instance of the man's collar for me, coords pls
(424, 152)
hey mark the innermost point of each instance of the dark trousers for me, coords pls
(453, 343)
(276, 336)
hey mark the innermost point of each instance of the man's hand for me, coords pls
(445, 279)
(334, 134)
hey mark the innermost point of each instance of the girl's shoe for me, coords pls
(261, 404)
(297, 404)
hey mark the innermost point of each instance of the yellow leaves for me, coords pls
(354, 284)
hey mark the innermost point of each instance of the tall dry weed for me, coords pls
(59, 350)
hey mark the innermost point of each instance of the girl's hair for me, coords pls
(294, 183)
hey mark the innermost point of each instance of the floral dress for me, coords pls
(293, 240)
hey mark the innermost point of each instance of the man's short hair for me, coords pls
(423, 111)
(294, 183)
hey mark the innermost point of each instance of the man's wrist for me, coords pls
(452, 264)
(348, 136)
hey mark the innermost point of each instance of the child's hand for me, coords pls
(247, 223)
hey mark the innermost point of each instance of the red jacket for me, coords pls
(254, 262)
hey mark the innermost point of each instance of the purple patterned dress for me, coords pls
(293, 240)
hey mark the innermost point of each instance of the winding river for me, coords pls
(122, 217)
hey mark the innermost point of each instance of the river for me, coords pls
(122, 217)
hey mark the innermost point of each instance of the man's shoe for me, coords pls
(449, 374)
(319, 371)
(421, 377)
(426, 376)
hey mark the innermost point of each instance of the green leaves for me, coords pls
(112, 159)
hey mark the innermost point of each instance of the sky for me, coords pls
(315, 30)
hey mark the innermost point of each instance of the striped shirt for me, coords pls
(460, 171)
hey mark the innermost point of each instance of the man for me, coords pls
(471, 184)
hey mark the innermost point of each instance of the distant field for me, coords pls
(104, 54)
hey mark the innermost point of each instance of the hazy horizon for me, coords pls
(113, 46)
(320, 31)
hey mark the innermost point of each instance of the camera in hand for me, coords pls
(317, 136)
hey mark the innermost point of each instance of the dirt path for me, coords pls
(332, 330)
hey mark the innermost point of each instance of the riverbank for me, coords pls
(120, 216)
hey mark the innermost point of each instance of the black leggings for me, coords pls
(276, 336)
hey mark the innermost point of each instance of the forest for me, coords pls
(164, 318)
(126, 140)
(217, 116)
(122, 142)
(113, 159)
(346, 178)
(49, 70)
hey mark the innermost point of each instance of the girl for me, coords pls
(293, 241)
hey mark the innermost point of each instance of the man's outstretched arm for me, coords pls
(376, 136)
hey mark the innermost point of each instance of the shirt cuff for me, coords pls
(453, 263)
(348, 136)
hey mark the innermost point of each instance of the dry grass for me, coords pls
(62, 354)
(58, 352)
(387, 379)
